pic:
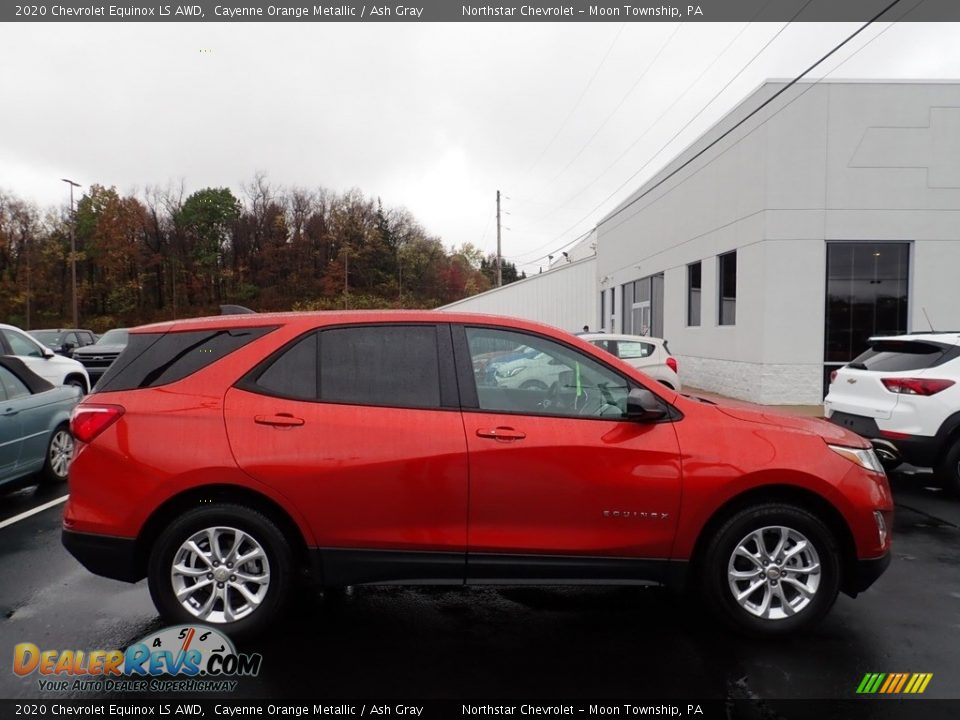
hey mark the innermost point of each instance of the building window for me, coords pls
(603, 309)
(693, 294)
(866, 296)
(728, 288)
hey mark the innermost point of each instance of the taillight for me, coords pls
(672, 364)
(833, 376)
(916, 386)
(88, 421)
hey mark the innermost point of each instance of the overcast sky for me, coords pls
(434, 117)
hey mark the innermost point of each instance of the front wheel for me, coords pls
(77, 383)
(772, 569)
(222, 565)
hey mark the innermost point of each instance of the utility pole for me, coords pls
(73, 250)
(346, 277)
(499, 260)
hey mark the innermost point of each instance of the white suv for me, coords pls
(53, 368)
(903, 394)
(649, 354)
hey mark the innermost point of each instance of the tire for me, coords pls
(250, 612)
(59, 453)
(534, 385)
(948, 469)
(776, 606)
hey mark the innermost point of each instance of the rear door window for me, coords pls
(293, 374)
(904, 355)
(154, 359)
(387, 365)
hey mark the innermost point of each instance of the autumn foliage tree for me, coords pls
(162, 254)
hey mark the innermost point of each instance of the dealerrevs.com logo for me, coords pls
(187, 658)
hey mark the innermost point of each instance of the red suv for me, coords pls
(225, 458)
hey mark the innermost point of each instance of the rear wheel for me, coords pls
(948, 471)
(224, 565)
(772, 569)
(59, 454)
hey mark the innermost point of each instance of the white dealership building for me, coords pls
(831, 215)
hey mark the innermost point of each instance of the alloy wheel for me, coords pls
(61, 452)
(774, 572)
(220, 574)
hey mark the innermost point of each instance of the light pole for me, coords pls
(73, 251)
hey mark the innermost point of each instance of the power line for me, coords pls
(751, 114)
(616, 109)
(681, 130)
(576, 105)
(644, 133)
(807, 89)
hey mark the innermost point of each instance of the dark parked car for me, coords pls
(64, 341)
(98, 357)
(34, 424)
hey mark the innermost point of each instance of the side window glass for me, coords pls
(635, 349)
(294, 373)
(20, 345)
(388, 365)
(607, 345)
(13, 386)
(521, 373)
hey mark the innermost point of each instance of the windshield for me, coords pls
(51, 338)
(113, 337)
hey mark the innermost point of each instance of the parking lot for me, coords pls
(518, 642)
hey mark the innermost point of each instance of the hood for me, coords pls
(814, 426)
(60, 360)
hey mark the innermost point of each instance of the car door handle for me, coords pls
(501, 433)
(278, 420)
(10, 411)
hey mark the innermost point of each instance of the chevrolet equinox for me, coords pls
(225, 458)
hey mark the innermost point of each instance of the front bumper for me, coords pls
(864, 573)
(111, 557)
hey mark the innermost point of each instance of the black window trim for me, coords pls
(448, 377)
(469, 399)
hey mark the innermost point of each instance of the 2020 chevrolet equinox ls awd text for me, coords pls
(222, 458)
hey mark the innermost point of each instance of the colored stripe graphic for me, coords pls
(894, 683)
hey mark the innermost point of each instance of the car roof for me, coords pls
(627, 338)
(949, 336)
(343, 317)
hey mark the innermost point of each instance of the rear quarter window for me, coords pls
(153, 359)
(903, 355)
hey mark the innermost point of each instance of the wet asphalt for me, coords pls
(517, 642)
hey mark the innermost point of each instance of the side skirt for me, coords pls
(339, 566)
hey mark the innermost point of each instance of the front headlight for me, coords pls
(511, 372)
(864, 457)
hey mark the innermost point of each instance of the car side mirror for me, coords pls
(68, 346)
(644, 406)
(48, 353)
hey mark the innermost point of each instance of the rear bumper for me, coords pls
(865, 573)
(111, 557)
(919, 450)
